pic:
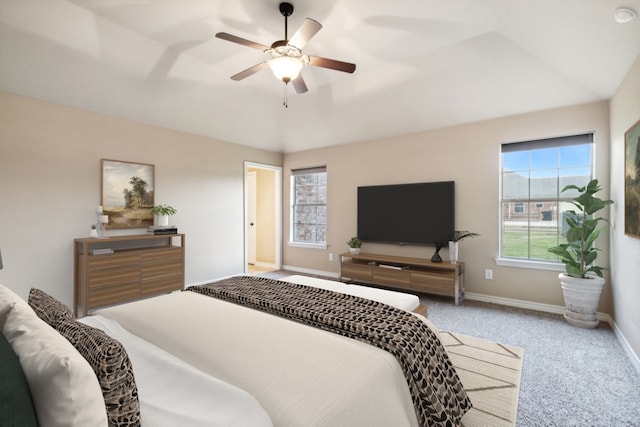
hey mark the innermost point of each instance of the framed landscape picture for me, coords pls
(632, 181)
(127, 193)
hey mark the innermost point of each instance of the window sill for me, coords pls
(308, 245)
(536, 265)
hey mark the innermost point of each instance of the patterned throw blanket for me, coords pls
(436, 390)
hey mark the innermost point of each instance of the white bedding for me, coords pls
(301, 376)
(173, 393)
(399, 300)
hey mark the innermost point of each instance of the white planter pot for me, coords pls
(581, 297)
(453, 251)
(162, 220)
(354, 251)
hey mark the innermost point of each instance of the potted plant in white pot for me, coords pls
(162, 214)
(583, 281)
(354, 245)
(458, 235)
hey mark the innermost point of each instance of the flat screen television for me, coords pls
(412, 214)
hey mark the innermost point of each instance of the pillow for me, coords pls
(7, 298)
(16, 406)
(48, 308)
(64, 388)
(111, 365)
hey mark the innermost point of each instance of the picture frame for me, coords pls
(127, 193)
(632, 180)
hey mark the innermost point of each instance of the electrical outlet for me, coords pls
(330, 257)
(488, 274)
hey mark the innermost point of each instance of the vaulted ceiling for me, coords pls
(421, 64)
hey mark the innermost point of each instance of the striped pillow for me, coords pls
(112, 366)
(47, 307)
(106, 356)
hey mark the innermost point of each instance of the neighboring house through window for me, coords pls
(533, 205)
(309, 207)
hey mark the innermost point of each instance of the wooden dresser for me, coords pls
(124, 268)
(422, 275)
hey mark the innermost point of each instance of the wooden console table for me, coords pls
(124, 268)
(442, 278)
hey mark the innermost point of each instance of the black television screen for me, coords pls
(418, 214)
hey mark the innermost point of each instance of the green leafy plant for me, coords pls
(579, 254)
(463, 234)
(163, 210)
(354, 242)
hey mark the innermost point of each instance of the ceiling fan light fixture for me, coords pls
(285, 68)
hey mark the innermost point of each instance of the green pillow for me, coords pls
(16, 406)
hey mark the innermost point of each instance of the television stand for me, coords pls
(416, 274)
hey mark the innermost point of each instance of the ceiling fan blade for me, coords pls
(304, 33)
(240, 40)
(299, 85)
(249, 71)
(332, 64)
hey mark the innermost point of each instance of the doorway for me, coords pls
(263, 217)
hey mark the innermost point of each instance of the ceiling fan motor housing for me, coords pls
(286, 9)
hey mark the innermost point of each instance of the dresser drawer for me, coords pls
(162, 285)
(434, 283)
(108, 295)
(98, 262)
(117, 275)
(356, 271)
(392, 277)
(161, 269)
(162, 255)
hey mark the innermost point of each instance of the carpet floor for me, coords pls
(570, 376)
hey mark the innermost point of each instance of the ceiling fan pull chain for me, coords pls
(285, 101)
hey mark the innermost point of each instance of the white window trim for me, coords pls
(308, 245)
(535, 265)
(292, 243)
(528, 263)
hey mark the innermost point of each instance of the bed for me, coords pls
(223, 364)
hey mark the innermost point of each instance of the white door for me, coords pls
(251, 218)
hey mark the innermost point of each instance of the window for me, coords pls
(533, 205)
(309, 207)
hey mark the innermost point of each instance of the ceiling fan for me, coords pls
(286, 57)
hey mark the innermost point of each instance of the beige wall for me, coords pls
(625, 250)
(50, 185)
(469, 155)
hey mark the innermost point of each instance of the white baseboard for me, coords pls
(547, 308)
(635, 360)
(557, 309)
(311, 272)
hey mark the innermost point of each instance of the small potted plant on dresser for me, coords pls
(583, 281)
(162, 214)
(354, 245)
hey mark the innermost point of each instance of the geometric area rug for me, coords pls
(490, 373)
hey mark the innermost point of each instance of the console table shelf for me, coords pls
(124, 268)
(442, 278)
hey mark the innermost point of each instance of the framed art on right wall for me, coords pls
(632, 180)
